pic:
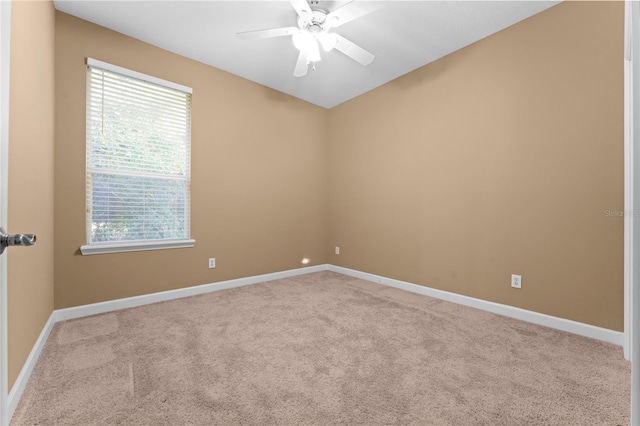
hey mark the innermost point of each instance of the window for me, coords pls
(138, 161)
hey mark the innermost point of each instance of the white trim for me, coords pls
(632, 139)
(575, 327)
(120, 247)
(631, 242)
(629, 203)
(146, 299)
(29, 365)
(135, 74)
(5, 66)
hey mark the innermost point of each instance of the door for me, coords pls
(5, 31)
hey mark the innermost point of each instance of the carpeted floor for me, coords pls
(321, 349)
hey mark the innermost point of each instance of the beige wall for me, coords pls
(500, 158)
(258, 175)
(31, 139)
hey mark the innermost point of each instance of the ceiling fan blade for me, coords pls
(275, 32)
(353, 10)
(301, 65)
(353, 51)
(302, 7)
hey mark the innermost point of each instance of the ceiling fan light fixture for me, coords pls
(313, 52)
(328, 41)
(313, 31)
(303, 40)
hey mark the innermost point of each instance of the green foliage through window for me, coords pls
(138, 155)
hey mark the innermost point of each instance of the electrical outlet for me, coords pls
(337, 250)
(516, 281)
(212, 262)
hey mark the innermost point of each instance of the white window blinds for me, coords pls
(138, 156)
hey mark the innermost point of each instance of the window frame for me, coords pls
(91, 248)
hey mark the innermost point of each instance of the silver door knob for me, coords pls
(15, 240)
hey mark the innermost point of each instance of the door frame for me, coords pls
(629, 187)
(5, 48)
(632, 200)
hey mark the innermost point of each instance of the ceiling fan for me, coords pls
(313, 31)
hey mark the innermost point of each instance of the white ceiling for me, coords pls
(404, 35)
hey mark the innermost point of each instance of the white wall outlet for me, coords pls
(516, 281)
(337, 250)
(212, 262)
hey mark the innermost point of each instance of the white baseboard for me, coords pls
(29, 365)
(582, 329)
(146, 299)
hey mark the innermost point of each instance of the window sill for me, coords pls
(120, 247)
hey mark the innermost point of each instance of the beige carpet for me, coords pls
(321, 349)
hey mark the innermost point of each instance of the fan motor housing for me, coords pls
(318, 18)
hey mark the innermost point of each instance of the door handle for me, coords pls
(15, 240)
